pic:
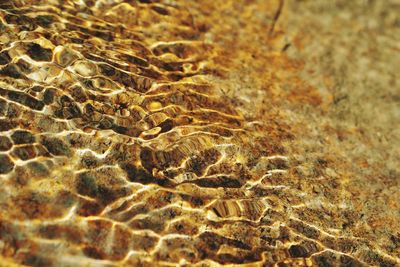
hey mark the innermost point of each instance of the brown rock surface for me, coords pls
(204, 133)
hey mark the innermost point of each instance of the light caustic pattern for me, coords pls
(118, 150)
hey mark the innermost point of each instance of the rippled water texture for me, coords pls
(158, 133)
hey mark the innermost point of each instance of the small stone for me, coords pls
(23, 137)
(48, 96)
(38, 169)
(11, 70)
(6, 125)
(86, 184)
(3, 107)
(4, 58)
(107, 70)
(24, 152)
(166, 125)
(44, 20)
(38, 53)
(5, 143)
(297, 251)
(26, 100)
(6, 164)
(13, 111)
(79, 94)
(56, 146)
